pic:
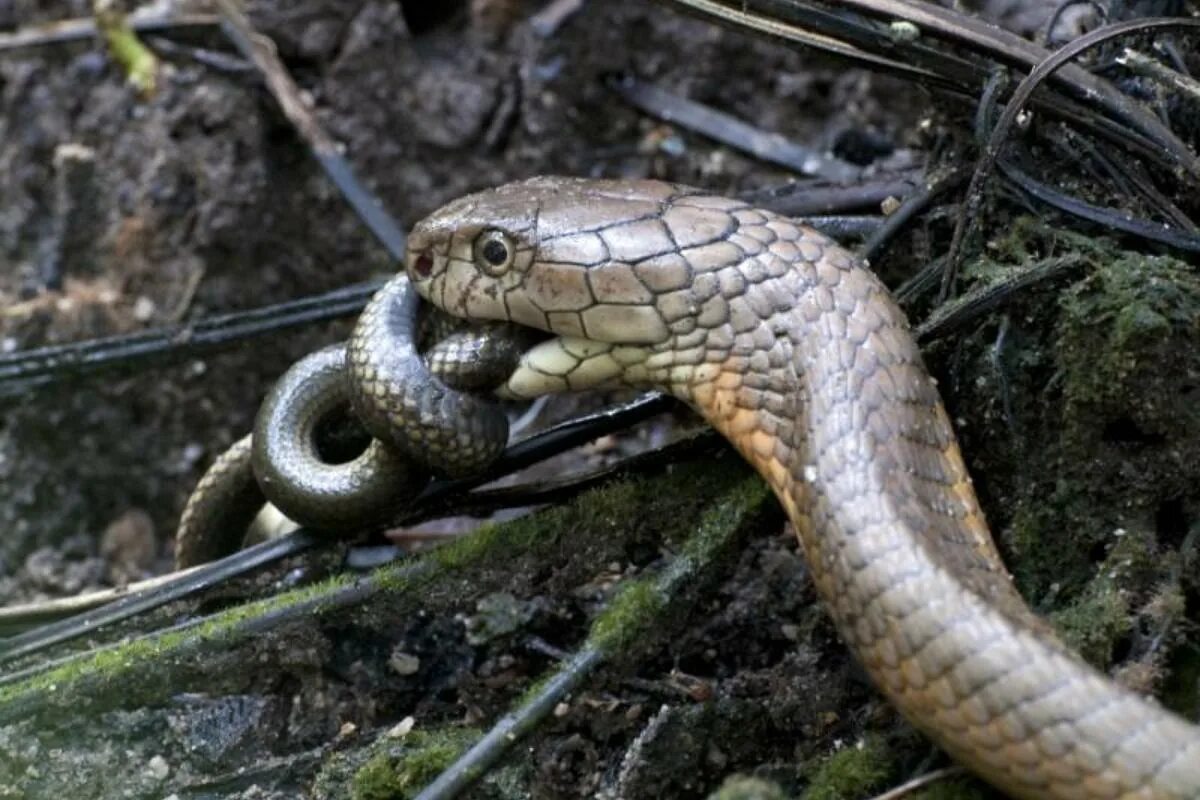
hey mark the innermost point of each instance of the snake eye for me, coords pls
(494, 252)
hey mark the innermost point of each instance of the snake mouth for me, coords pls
(422, 265)
(419, 259)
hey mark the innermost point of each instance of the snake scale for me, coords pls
(797, 354)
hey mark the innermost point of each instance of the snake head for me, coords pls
(469, 254)
(575, 257)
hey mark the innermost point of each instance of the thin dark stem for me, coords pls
(260, 51)
(484, 502)
(1042, 72)
(806, 198)
(699, 118)
(956, 314)
(38, 639)
(550, 442)
(1106, 217)
(909, 208)
(1008, 47)
(487, 751)
(28, 369)
(1137, 128)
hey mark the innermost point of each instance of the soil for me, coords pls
(1076, 408)
(201, 199)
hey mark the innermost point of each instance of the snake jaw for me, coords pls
(572, 364)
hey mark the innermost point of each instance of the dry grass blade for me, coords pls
(727, 129)
(792, 33)
(144, 20)
(920, 782)
(261, 51)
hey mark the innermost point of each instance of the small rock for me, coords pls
(498, 614)
(401, 728)
(44, 568)
(604, 444)
(129, 544)
(404, 663)
(143, 309)
(158, 768)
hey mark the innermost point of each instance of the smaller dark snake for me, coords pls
(414, 406)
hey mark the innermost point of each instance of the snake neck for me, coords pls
(812, 374)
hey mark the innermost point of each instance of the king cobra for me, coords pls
(798, 355)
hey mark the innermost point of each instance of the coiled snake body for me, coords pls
(414, 408)
(798, 355)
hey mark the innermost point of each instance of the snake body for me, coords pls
(413, 405)
(798, 355)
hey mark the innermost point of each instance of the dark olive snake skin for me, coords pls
(414, 406)
(398, 403)
(799, 356)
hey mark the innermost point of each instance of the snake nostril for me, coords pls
(423, 266)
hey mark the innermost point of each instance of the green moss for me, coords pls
(851, 773)
(643, 601)
(394, 767)
(1050, 553)
(744, 787)
(714, 532)
(1130, 318)
(402, 772)
(108, 664)
(1030, 238)
(1101, 614)
(663, 504)
(627, 614)
(1115, 422)
(378, 780)
(629, 510)
(1094, 622)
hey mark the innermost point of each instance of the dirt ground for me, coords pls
(201, 200)
(1076, 407)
